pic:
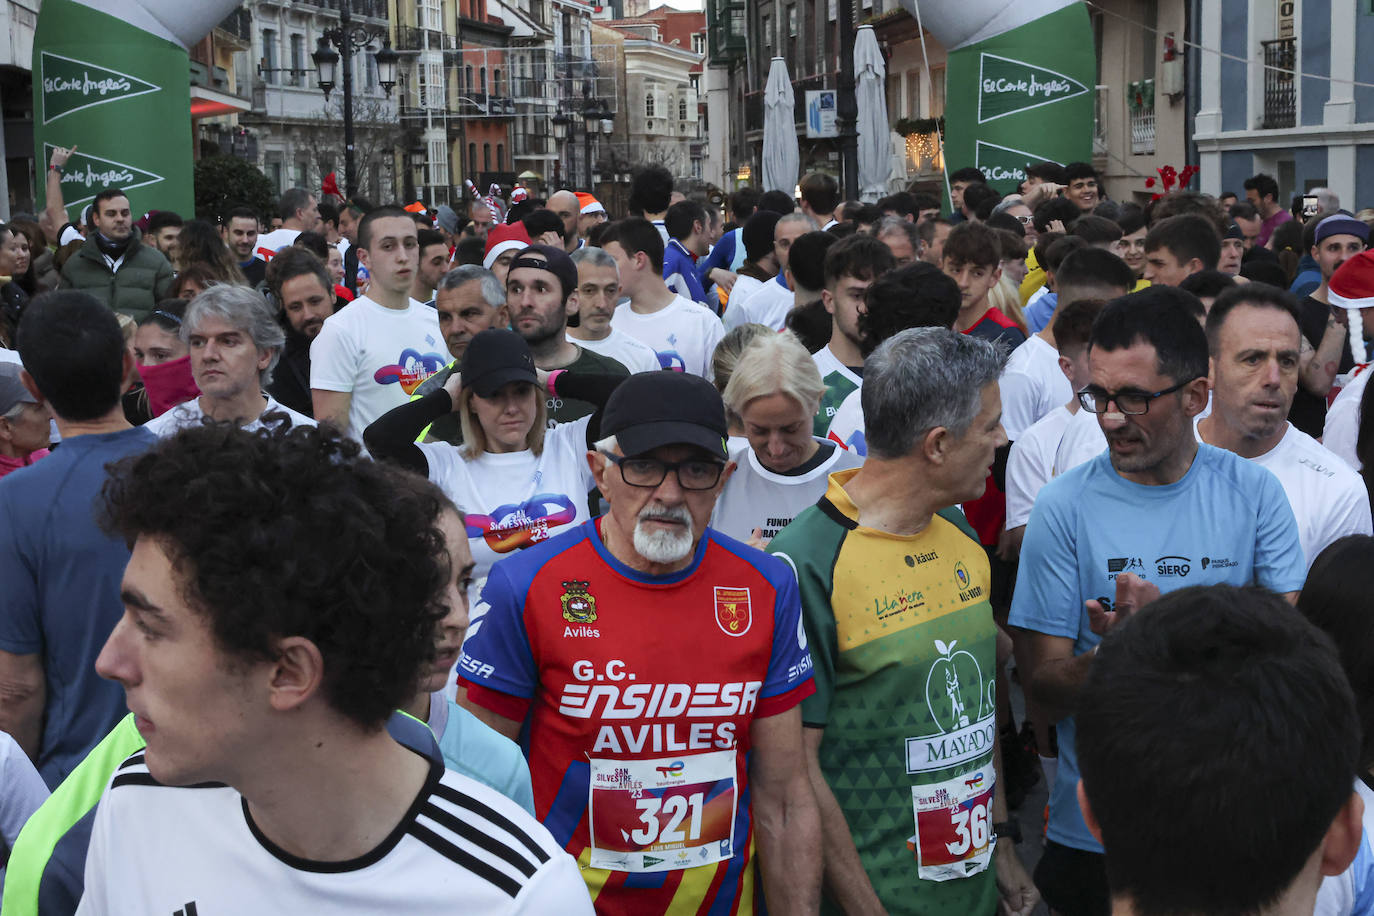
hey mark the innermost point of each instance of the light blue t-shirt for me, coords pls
(478, 751)
(1226, 522)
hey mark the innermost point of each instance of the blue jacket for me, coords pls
(680, 272)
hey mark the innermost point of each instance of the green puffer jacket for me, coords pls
(144, 278)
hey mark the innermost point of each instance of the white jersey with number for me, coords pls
(462, 847)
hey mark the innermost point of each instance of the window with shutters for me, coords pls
(649, 103)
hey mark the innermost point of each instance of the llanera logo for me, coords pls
(1007, 86)
(70, 85)
(85, 174)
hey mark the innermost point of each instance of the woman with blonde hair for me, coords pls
(775, 391)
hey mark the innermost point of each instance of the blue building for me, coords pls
(1281, 96)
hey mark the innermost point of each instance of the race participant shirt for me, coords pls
(1032, 385)
(1225, 522)
(1030, 465)
(1082, 441)
(767, 305)
(189, 413)
(995, 326)
(904, 646)
(160, 849)
(588, 362)
(1343, 419)
(379, 355)
(755, 497)
(840, 380)
(680, 272)
(637, 695)
(847, 426)
(515, 499)
(272, 242)
(1351, 893)
(684, 334)
(624, 349)
(739, 294)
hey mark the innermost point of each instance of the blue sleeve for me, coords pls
(722, 256)
(1280, 564)
(790, 663)
(21, 626)
(695, 292)
(1047, 597)
(496, 649)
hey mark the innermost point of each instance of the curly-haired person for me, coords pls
(275, 615)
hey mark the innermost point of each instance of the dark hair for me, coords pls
(811, 323)
(979, 199)
(103, 195)
(72, 346)
(1270, 273)
(1177, 203)
(1130, 217)
(1186, 237)
(806, 259)
(292, 262)
(1058, 250)
(426, 237)
(313, 242)
(1005, 222)
(1180, 705)
(681, 216)
(329, 213)
(162, 219)
(1163, 317)
(860, 256)
(927, 229)
(168, 315)
(903, 203)
(1263, 185)
(1096, 230)
(1336, 599)
(537, 222)
(1056, 208)
(861, 214)
(234, 213)
(757, 234)
(470, 249)
(779, 202)
(1288, 235)
(651, 190)
(973, 244)
(1076, 170)
(1052, 172)
(1073, 324)
(925, 201)
(1012, 245)
(968, 173)
(198, 273)
(1107, 209)
(1225, 194)
(1096, 268)
(634, 234)
(389, 211)
(820, 192)
(744, 202)
(293, 199)
(1207, 283)
(1043, 241)
(199, 244)
(1260, 295)
(842, 230)
(286, 532)
(915, 296)
(1243, 209)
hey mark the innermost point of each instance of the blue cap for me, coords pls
(1341, 224)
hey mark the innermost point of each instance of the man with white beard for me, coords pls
(645, 654)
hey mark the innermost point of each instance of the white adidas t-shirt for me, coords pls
(1030, 465)
(684, 335)
(768, 305)
(274, 241)
(1343, 420)
(515, 499)
(190, 414)
(461, 847)
(379, 355)
(624, 349)
(739, 294)
(847, 426)
(1032, 385)
(1328, 497)
(755, 497)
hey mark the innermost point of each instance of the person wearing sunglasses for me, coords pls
(639, 657)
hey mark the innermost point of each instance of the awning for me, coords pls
(207, 103)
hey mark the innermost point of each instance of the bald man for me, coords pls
(569, 210)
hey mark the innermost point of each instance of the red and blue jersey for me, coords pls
(637, 694)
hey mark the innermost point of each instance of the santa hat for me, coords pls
(1352, 288)
(589, 203)
(500, 239)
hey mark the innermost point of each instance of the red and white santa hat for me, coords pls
(589, 203)
(1352, 288)
(503, 238)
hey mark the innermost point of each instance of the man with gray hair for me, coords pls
(235, 342)
(902, 237)
(470, 299)
(598, 292)
(895, 588)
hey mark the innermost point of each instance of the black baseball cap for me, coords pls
(555, 261)
(653, 409)
(494, 358)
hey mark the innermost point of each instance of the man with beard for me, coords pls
(598, 291)
(647, 609)
(1252, 332)
(1157, 508)
(300, 284)
(113, 266)
(240, 232)
(541, 292)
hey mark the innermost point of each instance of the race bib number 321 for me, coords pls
(954, 837)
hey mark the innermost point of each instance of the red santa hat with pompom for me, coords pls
(1352, 288)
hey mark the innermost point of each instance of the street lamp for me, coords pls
(594, 116)
(350, 40)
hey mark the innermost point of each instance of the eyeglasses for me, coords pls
(692, 474)
(1023, 220)
(1128, 402)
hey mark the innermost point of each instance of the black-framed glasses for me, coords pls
(692, 474)
(1129, 402)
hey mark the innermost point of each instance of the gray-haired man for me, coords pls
(598, 292)
(895, 589)
(470, 299)
(235, 342)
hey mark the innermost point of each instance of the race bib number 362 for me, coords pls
(663, 814)
(954, 837)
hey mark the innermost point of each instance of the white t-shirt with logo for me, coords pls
(190, 414)
(755, 497)
(684, 335)
(768, 305)
(377, 354)
(1343, 420)
(847, 426)
(1031, 463)
(1032, 385)
(624, 349)
(274, 241)
(516, 499)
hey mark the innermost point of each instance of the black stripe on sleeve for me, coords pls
(466, 860)
(503, 851)
(453, 796)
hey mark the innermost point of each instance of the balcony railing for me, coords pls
(409, 38)
(1141, 108)
(1280, 89)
